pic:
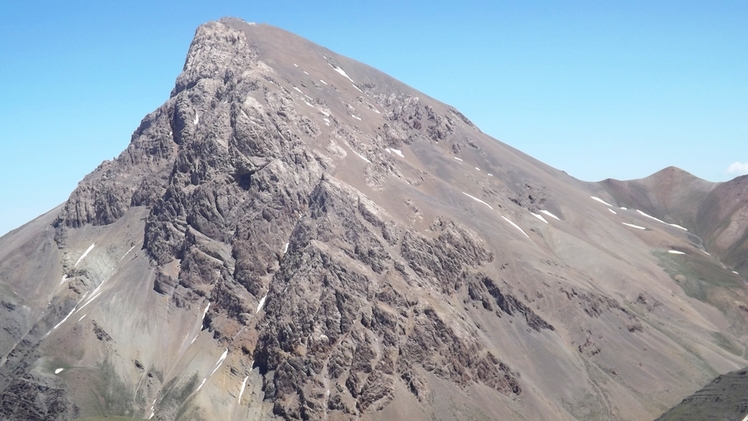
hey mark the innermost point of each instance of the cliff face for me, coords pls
(294, 234)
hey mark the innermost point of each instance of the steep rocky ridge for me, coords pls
(294, 234)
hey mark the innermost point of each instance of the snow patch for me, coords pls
(241, 391)
(59, 370)
(298, 90)
(477, 200)
(201, 384)
(515, 226)
(85, 253)
(477, 168)
(357, 88)
(285, 249)
(612, 211)
(600, 200)
(633, 226)
(305, 72)
(356, 117)
(262, 303)
(550, 214)
(82, 317)
(675, 252)
(323, 81)
(342, 72)
(490, 175)
(398, 152)
(678, 226)
(64, 278)
(197, 118)
(539, 217)
(296, 65)
(459, 159)
(737, 274)
(622, 208)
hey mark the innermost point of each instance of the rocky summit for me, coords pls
(296, 235)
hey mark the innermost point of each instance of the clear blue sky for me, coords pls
(598, 89)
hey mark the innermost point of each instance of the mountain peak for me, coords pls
(294, 234)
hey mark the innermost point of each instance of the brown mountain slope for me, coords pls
(294, 234)
(715, 212)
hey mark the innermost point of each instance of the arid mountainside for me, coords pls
(296, 235)
(716, 212)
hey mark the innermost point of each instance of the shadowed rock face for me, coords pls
(295, 235)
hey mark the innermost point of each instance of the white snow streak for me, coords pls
(204, 313)
(600, 200)
(660, 221)
(360, 156)
(477, 200)
(323, 81)
(241, 392)
(59, 370)
(550, 214)
(675, 252)
(477, 168)
(296, 65)
(459, 159)
(64, 278)
(342, 72)
(622, 208)
(633, 226)
(63, 320)
(285, 249)
(262, 303)
(298, 90)
(128, 252)
(357, 88)
(737, 274)
(90, 299)
(305, 72)
(396, 151)
(515, 226)
(220, 361)
(539, 217)
(82, 317)
(201, 384)
(490, 175)
(650, 216)
(197, 118)
(612, 211)
(85, 253)
(356, 117)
